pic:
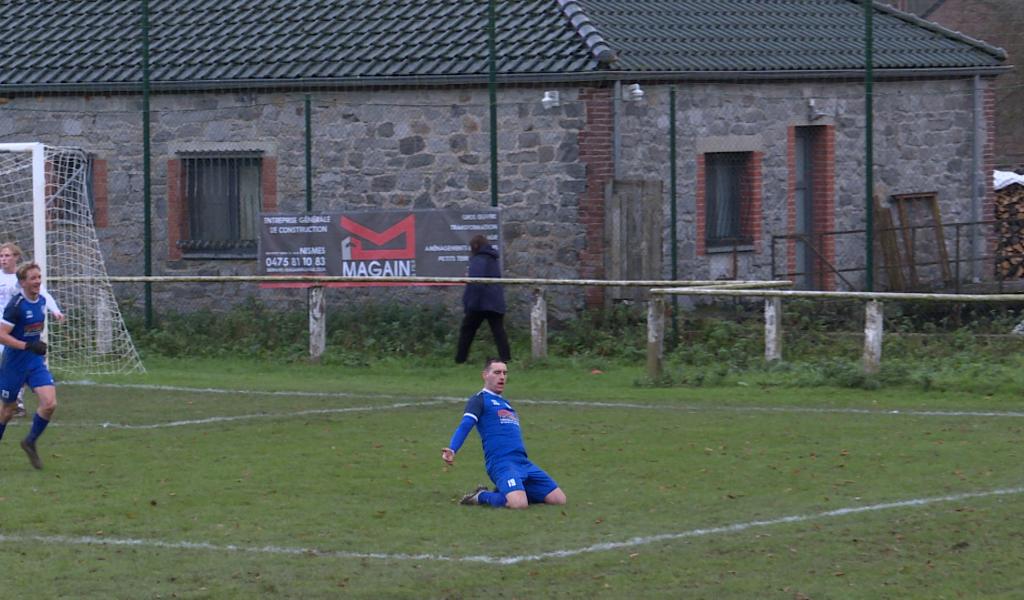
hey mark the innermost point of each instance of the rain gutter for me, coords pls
(481, 79)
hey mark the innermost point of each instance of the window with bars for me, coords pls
(222, 197)
(727, 198)
(70, 186)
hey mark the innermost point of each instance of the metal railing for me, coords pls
(962, 264)
(318, 306)
(872, 355)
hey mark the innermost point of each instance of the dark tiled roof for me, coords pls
(776, 35)
(95, 43)
(315, 39)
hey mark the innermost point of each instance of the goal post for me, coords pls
(45, 196)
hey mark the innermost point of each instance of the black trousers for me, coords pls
(471, 322)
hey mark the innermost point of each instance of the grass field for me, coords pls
(241, 480)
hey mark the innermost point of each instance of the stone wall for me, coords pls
(415, 148)
(999, 23)
(423, 148)
(923, 135)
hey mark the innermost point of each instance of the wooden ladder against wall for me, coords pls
(890, 245)
(902, 203)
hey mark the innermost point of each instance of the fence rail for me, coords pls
(659, 290)
(873, 317)
(318, 305)
(962, 263)
(329, 279)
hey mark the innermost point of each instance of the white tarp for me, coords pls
(1002, 179)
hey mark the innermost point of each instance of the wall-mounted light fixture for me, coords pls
(632, 93)
(551, 99)
(816, 110)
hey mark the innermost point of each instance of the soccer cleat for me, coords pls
(33, 456)
(473, 497)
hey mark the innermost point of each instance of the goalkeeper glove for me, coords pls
(37, 346)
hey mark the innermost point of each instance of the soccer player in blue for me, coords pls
(518, 481)
(20, 330)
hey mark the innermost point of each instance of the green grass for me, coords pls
(356, 494)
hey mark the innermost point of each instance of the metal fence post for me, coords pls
(873, 336)
(539, 325)
(317, 323)
(772, 329)
(655, 335)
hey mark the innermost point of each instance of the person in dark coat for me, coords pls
(483, 301)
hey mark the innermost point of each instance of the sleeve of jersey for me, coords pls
(51, 304)
(474, 408)
(10, 314)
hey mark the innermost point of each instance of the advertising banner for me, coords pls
(411, 243)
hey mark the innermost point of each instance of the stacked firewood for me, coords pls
(1009, 214)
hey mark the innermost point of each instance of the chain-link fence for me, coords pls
(618, 140)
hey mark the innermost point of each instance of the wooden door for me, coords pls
(634, 235)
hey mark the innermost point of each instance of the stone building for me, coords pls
(765, 99)
(998, 22)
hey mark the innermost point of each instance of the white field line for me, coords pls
(249, 417)
(209, 390)
(785, 409)
(504, 560)
(435, 400)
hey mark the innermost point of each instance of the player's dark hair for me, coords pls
(477, 243)
(490, 360)
(24, 268)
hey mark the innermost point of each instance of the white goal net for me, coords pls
(45, 209)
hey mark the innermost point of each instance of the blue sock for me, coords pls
(3, 428)
(38, 425)
(495, 499)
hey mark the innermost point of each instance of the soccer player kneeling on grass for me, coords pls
(518, 481)
(20, 330)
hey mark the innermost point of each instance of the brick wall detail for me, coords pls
(988, 204)
(824, 176)
(791, 199)
(824, 197)
(700, 207)
(177, 223)
(596, 154)
(750, 223)
(100, 193)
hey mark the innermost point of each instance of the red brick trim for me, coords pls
(595, 147)
(700, 205)
(791, 199)
(988, 211)
(824, 194)
(100, 193)
(754, 190)
(823, 170)
(177, 212)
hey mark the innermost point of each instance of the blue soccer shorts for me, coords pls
(523, 477)
(11, 382)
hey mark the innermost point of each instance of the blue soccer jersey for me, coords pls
(27, 320)
(498, 425)
(504, 451)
